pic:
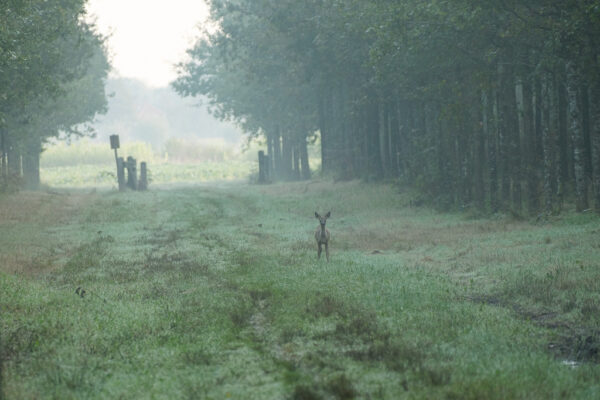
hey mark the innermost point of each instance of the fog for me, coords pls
(139, 112)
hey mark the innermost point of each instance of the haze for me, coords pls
(145, 40)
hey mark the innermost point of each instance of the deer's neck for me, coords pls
(323, 232)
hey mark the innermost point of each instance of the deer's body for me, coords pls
(322, 235)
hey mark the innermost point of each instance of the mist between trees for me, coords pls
(491, 104)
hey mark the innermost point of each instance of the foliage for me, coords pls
(464, 100)
(52, 71)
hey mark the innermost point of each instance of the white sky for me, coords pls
(147, 37)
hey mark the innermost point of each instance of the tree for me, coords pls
(466, 101)
(52, 71)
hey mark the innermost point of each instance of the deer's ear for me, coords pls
(317, 215)
(328, 214)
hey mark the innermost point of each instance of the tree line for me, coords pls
(52, 70)
(491, 104)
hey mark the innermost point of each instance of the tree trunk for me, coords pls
(563, 140)
(493, 152)
(577, 137)
(408, 153)
(286, 157)
(14, 160)
(462, 155)
(391, 143)
(515, 146)
(271, 160)
(482, 133)
(375, 163)
(546, 94)
(505, 93)
(531, 149)
(401, 141)
(3, 161)
(445, 167)
(324, 116)
(304, 159)
(585, 126)
(296, 158)
(383, 140)
(31, 164)
(595, 134)
(277, 162)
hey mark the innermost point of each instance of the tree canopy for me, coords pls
(52, 70)
(493, 104)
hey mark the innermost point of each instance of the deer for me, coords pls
(322, 235)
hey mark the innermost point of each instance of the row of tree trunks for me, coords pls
(520, 145)
(31, 163)
(545, 122)
(17, 166)
(577, 136)
(288, 155)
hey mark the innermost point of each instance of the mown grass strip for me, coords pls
(216, 292)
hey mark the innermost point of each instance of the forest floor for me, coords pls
(216, 292)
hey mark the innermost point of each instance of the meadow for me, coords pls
(215, 291)
(85, 164)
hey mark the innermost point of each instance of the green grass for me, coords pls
(215, 292)
(104, 175)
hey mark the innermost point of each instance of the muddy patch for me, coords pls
(574, 344)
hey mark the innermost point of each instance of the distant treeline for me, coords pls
(492, 104)
(52, 70)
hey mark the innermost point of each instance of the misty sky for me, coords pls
(146, 39)
(148, 36)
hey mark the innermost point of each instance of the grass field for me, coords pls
(215, 292)
(104, 175)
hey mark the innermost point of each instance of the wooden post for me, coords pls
(114, 144)
(131, 173)
(143, 183)
(121, 173)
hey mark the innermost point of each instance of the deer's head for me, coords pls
(322, 220)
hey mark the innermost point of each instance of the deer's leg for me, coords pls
(319, 250)
(327, 251)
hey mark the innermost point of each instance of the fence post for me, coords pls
(114, 144)
(121, 173)
(131, 173)
(143, 183)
